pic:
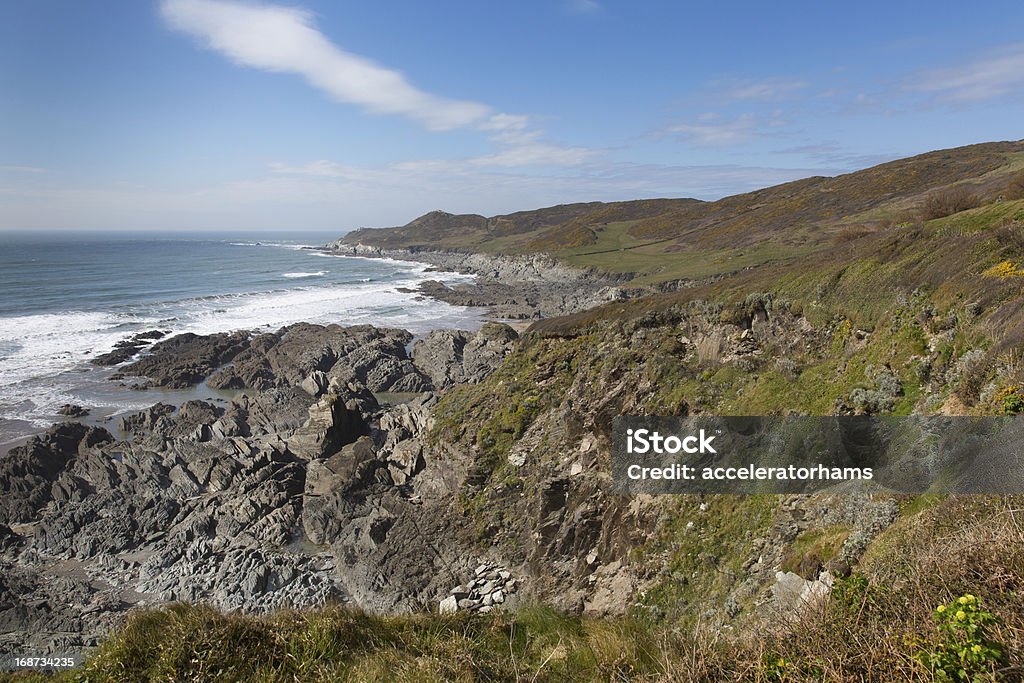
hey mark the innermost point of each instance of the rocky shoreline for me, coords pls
(295, 494)
(511, 287)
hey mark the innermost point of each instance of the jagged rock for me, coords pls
(452, 357)
(8, 539)
(439, 356)
(334, 421)
(304, 354)
(150, 419)
(316, 384)
(27, 473)
(127, 349)
(187, 359)
(72, 410)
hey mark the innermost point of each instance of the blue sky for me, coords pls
(212, 114)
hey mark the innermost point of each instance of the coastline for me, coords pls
(528, 287)
(53, 350)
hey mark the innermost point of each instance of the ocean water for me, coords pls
(67, 297)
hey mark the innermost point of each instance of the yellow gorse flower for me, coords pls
(1004, 270)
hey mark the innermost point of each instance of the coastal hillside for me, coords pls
(672, 239)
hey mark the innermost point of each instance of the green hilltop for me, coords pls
(656, 239)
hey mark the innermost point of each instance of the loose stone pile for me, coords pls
(490, 588)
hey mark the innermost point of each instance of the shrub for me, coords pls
(946, 202)
(970, 373)
(1010, 235)
(1015, 188)
(871, 402)
(1003, 270)
(852, 233)
(964, 650)
(1010, 400)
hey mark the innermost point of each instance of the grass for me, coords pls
(976, 220)
(813, 548)
(878, 625)
(654, 265)
(701, 551)
(608, 237)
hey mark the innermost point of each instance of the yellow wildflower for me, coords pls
(1003, 270)
(976, 649)
(940, 609)
(961, 615)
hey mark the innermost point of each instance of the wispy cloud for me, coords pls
(767, 90)
(583, 6)
(711, 130)
(521, 146)
(284, 39)
(21, 169)
(837, 157)
(996, 75)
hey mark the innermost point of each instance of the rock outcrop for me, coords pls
(295, 493)
(72, 410)
(128, 348)
(187, 359)
(450, 357)
(299, 353)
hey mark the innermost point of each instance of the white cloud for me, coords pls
(997, 75)
(711, 130)
(536, 154)
(583, 6)
(284, 39)
(772, 89)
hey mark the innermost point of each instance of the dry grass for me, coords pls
(878, 625)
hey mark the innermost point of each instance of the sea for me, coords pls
(66, 297)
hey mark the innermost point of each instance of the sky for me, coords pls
(310, 115)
